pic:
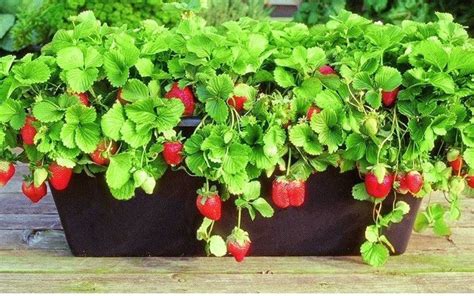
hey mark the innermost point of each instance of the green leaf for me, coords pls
(39, 176)
(469, 157)
(374, 98)
(362, 80)
(169, 114)
(372, 234)
(283, 78)
(355, 147)
(116, 68)
(273, 140)
(118, 171)
(302, 135)
(132, 137)
(87, 137)
(330, 132)
(443, 81)
(47, 111)
(81, 80)
(145, 67)
(93, 59)
(375, 254)
(421, 222)
(12, 111)
(125, 192)
(217, 246)
(217, 109)
(220, 86)
(80, 114)
(142, 112)
(360, 193)
(32, 72)
(263, 207)
(112, 121)
(432, 52)
(252, 190)
(328, 99)
(135, 90)
(67, 135)
(6, 63)
(237, 158)
(70, 58)
(388, 78)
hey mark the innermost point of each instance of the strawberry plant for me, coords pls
(274, 100)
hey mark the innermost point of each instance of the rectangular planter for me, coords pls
(330, 222)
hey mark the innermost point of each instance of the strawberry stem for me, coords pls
(289, 162)
(239, 217)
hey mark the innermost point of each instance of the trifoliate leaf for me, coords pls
(125, 192)
(145, 67)
(70, 58)
(328, 99)
(132, 137)
(5, 64)
(80, 114)
(32, 72)
(135, 90)
(362, 80)
(87, 137)
(81, 80)
(12, 111)
(273, 140)
(263, 207)
(468, 156)
(432, 52)
(302, 135)
(283, 78)
(142, 111)
(360, 193)
(47, 111)
(112, 121)
(309, 89)
(375, 254)
(442, 81)
(373, 98)
(93, 59)
(118, 171)
(116, 69)
(236, 158)
(330, 133)
(252, 190)
(388, 78)
(220, 86)
(355, 147)
(372, 233)
(67, 135)
(217, 109)
(236, 181)
(169, 114)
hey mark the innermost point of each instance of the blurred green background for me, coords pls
(27, 24)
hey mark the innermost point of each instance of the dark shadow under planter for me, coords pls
(330, 222)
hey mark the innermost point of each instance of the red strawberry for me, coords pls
(402, 183)
(296, 192)
(35, 194)
(60, 176)
(311, 111)
(456, 164)
(103, 152)
(28, 131)
(326, 70)
(389, 97)
(280, 194)
(120, 97)
(7, 170)
(173, 152)
(84, 98)
(210, 205)
(470, 181)
(237, 102)
(238, 244)
(414, 181)
(185, 95)
(376, 189)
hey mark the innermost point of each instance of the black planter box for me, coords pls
(330, 222)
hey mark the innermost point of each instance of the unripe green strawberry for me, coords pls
(457, 185)
(149, 185)
(371, 126)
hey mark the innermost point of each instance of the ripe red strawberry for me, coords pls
(288, 193)
(35, 194)
(389, 97)
(173, 152)
(59, 176)
(7, 170)
(238, 244)
(414, 181)
(402, 183)
(84, 98)
(237, 102)
(28, 131)
(376, 189)
(326, 70)
(456, 164)
(185, 95)
(280, 194)
(103, 152)
(296, 192)
(120, 97)
(470, 181)
(311, 111)
(210, 205)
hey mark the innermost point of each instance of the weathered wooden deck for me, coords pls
(34, 257)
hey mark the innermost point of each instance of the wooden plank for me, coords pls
(33, 239)
(185, 282)
(51, 261)
(16, 203)
(26, 221)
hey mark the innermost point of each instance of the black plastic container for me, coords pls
(330, 222)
